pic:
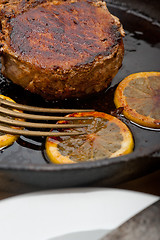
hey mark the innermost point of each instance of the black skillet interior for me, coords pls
(26, 159)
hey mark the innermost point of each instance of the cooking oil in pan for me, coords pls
(142, 54)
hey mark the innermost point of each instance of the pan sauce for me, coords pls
(142, 53)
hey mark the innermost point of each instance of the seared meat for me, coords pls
(60, 49)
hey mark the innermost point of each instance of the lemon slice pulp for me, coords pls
(105, 137)
(139, 95)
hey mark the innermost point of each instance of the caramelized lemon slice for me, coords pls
(7, 139)
(139, 95)
(105, 137)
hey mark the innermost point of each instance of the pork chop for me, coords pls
(60, 49)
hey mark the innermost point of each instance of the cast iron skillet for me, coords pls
(26, 161)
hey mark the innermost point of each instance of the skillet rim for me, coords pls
(143, 153)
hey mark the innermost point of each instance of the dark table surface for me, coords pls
(147, 184)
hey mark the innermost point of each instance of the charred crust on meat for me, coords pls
(54, 46)
(66, 44)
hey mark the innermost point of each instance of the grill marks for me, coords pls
(63, 35)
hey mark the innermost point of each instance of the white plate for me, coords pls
(81, 213)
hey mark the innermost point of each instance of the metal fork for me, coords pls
(8, 108)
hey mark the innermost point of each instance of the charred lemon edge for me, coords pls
(127, 144)
(7, 139)
(129, 113)
(54, 155)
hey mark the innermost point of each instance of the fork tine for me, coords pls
(38, 125)
(20, 123)
(37, 117)
(38, 133)
(39, 109)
